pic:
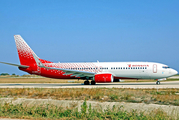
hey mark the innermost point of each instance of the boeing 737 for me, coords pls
(97, 72)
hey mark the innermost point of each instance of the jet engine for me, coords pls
(102, 78)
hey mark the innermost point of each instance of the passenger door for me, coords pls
(154, 68)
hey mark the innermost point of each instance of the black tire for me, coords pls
(93, 82)
(158, 82)
(86, 82)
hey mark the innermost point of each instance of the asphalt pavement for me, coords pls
(163, 84)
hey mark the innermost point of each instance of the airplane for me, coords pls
(97, 72)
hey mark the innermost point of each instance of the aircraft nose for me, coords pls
(174, 72)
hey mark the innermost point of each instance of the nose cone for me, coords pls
(174, 72)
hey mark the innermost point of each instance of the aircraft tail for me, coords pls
(25, 52)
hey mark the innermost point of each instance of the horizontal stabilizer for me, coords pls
(22, 66)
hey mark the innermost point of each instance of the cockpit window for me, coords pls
(165, 67)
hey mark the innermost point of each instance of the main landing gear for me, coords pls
(87, 82)
(93, 82)
(158, 82)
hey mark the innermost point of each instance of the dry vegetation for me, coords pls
(160, 96)
(37, 80)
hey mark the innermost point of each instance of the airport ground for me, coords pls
(75, 100)
(41, 82)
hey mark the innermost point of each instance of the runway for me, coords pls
(167, 84)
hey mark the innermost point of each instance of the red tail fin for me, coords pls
(25, 52)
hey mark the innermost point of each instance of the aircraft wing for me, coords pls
(22, 66)
(73, 72)
(67, 71)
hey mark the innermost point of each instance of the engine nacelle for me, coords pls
(102, 78)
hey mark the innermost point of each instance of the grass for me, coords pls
(52, 112)
(155, 96)
(21, 111)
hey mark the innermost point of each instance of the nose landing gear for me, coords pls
(158, 82)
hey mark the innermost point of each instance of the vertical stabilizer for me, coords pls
(24, 51)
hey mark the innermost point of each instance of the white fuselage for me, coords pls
(139, 70)
(122, 70)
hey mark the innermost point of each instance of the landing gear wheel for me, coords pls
(86, 83)
(158, 82)
(93, 82)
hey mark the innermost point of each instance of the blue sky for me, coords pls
(90, 30)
